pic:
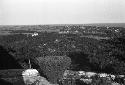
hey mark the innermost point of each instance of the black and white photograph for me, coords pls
(62, 42)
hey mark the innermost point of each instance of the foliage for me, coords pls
(86, 53)
(21, 48)
(54, 66)
(80, 61)
(110, 56)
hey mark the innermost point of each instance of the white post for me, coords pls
(29, 64)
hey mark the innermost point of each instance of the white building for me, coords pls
(35, 34)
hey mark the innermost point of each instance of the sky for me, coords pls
(33, 12)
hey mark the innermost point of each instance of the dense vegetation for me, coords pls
(86, 53)
(54, 66)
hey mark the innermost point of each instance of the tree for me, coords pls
(80, 61)
(112, 54)
(54, 66)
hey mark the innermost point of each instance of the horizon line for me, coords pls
(55, 24)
